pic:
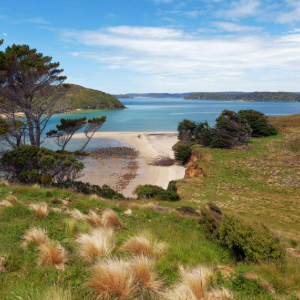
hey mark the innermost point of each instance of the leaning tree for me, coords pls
(27, 88)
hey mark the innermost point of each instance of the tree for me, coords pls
(67, 128)
(27, 80)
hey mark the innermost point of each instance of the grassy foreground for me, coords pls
(260, 183)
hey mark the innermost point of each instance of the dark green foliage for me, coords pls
(151, 191)
(251, 241)
(88, 189)
(182, 153)
(172, 186)
(186, 126)
(259, 123)
(169, 196)
(31, 164)
(214, 207)
(210, 221)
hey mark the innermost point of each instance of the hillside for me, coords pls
(257, 96)
(74, 97)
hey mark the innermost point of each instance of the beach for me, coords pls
(137, 171)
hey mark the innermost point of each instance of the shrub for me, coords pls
(252, 241)
(259, 123)
(169, 196)
(31, 164)
(211, 223)
(182, 153)
(147, 190)
(88, 189)
(172, 186)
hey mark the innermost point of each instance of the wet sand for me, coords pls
(150, 145)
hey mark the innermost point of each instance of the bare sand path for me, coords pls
(150, 145)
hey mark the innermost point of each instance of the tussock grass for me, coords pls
(94, 197)
(41, 209)
(143, 245)
(5, 203)
(110, 218)
(111, 280)
(144, 274)
(77, 214)
(12, 199)
(74, 226)
(93, 218)
(193, 285)
(99, 242)
(34, 235)
(53, 254)
(3, 259)
(5, 183)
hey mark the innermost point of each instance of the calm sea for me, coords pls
(163, 114)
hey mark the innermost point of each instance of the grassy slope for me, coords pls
(237, 180)
(77, 97)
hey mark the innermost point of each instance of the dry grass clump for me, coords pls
(53, 254)
(41, 209)
(225, 270)
(110, 218)
(58, 293)
(142, 245)
(3, 259)
(193, 286)
(75, 213)
(93, 218)
(111, 280)
(12, 199)
(144, 274)
(99, 242)
(34, 235)
(5, 182)
(5, 203)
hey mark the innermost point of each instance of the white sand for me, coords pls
(150, 145)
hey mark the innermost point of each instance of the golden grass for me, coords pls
(111, 280)
(53, 254)
(5, 203)
(57, 293)
(225, 270)
(3, 259)
(193, 285)
(110, 218)
(75, 213)
(4, 182)
(93, 218)
(143, 245)
(100, 242)
(12, 199)
(34, 235)
(144, 274)
(41, 209)
(74, 226)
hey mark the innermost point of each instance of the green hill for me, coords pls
(77, 97)
(256, 96)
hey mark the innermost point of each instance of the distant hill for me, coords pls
(256, 96)
(74, 97)
(162, 95)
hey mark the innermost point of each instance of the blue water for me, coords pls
(163, 114)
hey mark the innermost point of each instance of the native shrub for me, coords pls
(147, 190)
(182, 153)
(31, 164)
(169, 196)
(251, 241)
(172, 186)
(259, 123)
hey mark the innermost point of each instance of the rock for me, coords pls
(161, 208)
(194, 171)
(187, 210)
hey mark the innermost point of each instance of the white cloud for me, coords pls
(37, 20)
(233, 27)
(240, 9)
(184, 63)
(192, 14)
(5, 34)
(291, 16)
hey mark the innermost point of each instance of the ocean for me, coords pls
(163, 114)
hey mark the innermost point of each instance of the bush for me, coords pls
(88, 189)
(182, 153)
(31, 164)
(172, 186)
(259, 123)
(148, 190)
(210, 221)
(169, 196)
(251, 241)
(154, 191)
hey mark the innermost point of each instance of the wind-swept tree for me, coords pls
(27, 80)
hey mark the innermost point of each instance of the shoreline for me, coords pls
(150, 145)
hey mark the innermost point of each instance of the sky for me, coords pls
(171, 46)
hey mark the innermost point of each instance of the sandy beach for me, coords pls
(150, 145)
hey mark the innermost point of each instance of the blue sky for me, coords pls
(122, 46)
